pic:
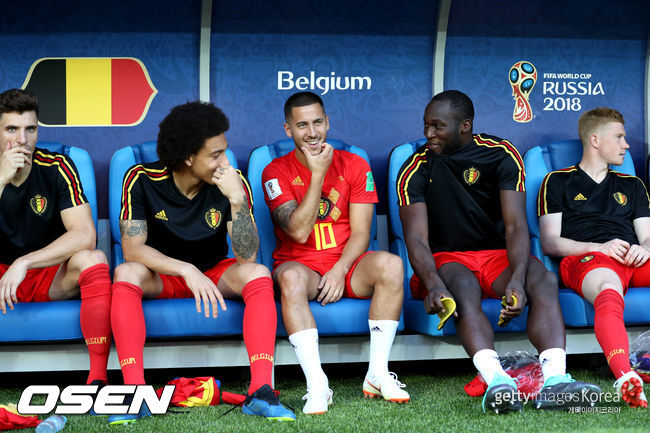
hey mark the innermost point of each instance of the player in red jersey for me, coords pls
(175, 215)
(321, 200)
(47, 234)
(599, 221)
(462, 207)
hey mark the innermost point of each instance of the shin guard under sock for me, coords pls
(129, 331)
(260, 322)
(95, 318)
(610, 330)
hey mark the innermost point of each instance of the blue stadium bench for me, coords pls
(415, 317)
(165, 317)
(345, 317)
(539, 161)
(33, 321)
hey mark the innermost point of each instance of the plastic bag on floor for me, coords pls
(640, 356)
(520, 365)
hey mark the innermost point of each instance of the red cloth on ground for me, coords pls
(10, 419)
(200, 391)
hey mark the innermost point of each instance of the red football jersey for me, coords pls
(348, 180)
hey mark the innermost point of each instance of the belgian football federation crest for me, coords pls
(38, 204)
(471, 175)
(324, 208)
(523, 77)
(586, 259)
(620, 198)
(213, 218)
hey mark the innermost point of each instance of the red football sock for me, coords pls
(260, 322)
(95, 318)
(129, 331)
(610, 331)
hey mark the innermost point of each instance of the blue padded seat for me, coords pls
(415, 317)
(165, 317)
(32, 321)
(539, 161)
(348, 316)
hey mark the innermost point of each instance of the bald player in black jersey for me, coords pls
(175, 215)
(462, 207)
(599, 220)
(47, 234)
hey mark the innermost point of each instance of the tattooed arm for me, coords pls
(243, 233)
(298, 219)
(134, 238)
(241, 228)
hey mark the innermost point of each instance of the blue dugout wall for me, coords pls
(376, 65)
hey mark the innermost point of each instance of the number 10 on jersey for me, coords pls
(324, 235)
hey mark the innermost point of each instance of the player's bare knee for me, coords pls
(85, 259)
(289, 281)
(130, 272)
(391, 272)
(69, 292)
(610, 285)
(462, 282)
(253, 271)
(545, 286)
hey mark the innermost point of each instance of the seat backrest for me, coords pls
(122, 160)
(258, 160)
(398, 155)
(539, 161)
(84, 164)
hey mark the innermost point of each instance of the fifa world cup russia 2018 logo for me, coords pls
(523, 77)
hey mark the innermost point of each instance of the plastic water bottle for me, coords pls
(52, 424)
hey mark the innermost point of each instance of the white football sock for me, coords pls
(487, 363)
(553, 362)
(305, 346)
(382, 334)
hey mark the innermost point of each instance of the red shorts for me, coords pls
(487, 265)
(573, 270)
(175, 287)
(323, 266)
(36, 285)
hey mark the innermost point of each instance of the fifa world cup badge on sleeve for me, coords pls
(272, 188)
(370, 181)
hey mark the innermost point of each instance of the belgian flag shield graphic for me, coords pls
(91, 91)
